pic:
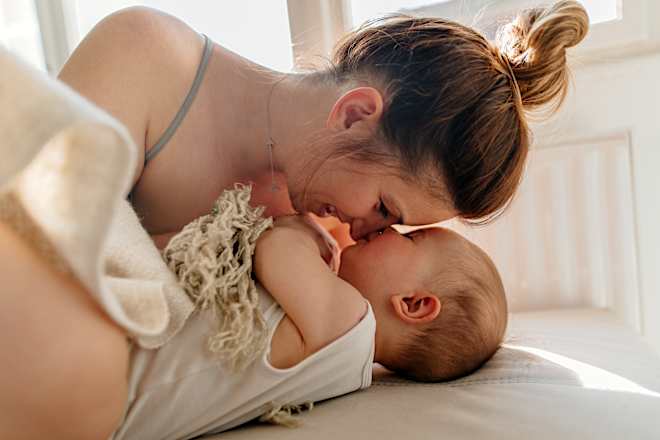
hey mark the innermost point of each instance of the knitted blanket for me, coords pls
(212, 258)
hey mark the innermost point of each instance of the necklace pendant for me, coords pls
(269, 145)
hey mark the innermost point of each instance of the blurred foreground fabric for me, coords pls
(65, 171)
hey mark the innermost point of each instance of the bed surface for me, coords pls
(569, 374)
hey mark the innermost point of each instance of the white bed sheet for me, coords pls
(569, 374)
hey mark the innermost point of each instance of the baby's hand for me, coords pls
(327, 245)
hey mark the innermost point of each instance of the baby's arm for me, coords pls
(289, 264)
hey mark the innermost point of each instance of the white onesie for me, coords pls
(180, 390)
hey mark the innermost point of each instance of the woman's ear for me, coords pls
(360, 104)
(417, 307)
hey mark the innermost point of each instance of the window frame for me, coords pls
(633, 33)
(58, 31)
(315, 26)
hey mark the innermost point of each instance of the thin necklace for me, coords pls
(270, 143)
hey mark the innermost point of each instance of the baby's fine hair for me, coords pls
(470, 326)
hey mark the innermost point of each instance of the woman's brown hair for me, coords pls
(456, 103)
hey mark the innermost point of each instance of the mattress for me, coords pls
(569, 374)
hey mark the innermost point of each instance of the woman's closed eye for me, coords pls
(388, 213)
(383, 209)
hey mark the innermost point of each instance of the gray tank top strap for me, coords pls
(199, 76)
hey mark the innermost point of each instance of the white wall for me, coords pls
(624, 97)
(584, 228)
(19, 30)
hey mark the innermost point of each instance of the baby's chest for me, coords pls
(286, 348)
(182, 386)
(187, 353)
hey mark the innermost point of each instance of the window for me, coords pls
(361, 10)
(258, 30)
(19, 30)
(618, 27)
(602, 10)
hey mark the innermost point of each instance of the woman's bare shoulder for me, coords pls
(130, 61)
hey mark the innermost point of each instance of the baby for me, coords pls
(428, 305)
(438, 300)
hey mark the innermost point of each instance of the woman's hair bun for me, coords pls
(535, 43)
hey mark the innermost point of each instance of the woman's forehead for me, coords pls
(416, 206)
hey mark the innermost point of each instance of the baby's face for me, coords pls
(391, 263)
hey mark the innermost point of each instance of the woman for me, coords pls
(416, 121)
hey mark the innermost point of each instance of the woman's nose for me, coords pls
(361, 227)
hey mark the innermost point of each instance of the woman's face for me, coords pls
(367, 197)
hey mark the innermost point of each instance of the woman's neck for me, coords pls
(297, 110)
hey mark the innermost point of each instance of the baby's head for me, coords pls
(438, 299)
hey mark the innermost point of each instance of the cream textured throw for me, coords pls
(65, 170)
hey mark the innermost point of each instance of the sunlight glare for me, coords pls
(591, 377)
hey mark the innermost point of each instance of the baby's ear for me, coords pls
(416, 307)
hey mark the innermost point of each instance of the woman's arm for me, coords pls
(288, 263)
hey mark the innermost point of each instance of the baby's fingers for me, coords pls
(327, 244)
